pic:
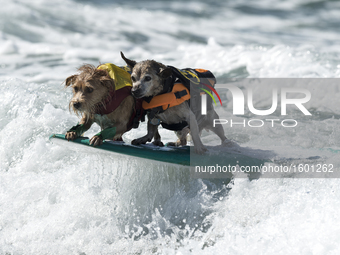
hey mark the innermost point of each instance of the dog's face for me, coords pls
(90, 87)
(147, 77)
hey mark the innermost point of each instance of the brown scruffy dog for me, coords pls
(151, 79)
(95, 99)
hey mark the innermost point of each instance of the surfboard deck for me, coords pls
(179, 156)
(173, 155)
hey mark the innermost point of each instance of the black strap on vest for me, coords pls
(180, 94)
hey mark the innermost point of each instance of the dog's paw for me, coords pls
(158, 143)
(71, 136)
(137, 142)
(229, 143)
(119, 139)
(179, 142)
(172, 144)
(141, 140)
(176, 144)
(96, 141)
(200, 150)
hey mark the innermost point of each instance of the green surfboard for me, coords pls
(184, 156)
(179, 156)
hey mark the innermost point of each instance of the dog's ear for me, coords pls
(129, 62)
(70, 80)
(165, 72)
(104, 78)
(107, 82)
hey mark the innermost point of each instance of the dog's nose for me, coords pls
(136, 93)
(77, 105)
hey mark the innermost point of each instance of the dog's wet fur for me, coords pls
(91, 87)
(148, 78)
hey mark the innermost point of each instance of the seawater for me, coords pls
(54, 200)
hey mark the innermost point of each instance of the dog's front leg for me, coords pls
(148, 137)
(199, 147)
(76, 131)
(108, 133)
(157, 139)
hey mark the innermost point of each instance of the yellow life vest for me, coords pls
(121, 77)
(123, 86)
(178, 95)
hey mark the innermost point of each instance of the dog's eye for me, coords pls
(89, 89)
(75, 89)
(133, 78)
(147, 78)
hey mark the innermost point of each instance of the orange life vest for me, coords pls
(178, 95)
(182, 79)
